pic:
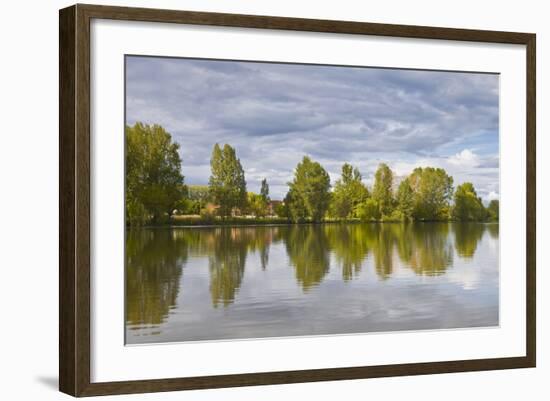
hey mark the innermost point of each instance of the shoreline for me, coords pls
(239, 224)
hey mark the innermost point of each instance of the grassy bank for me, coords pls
(196, 220)
(242, 221)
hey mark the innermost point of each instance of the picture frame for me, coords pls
(76, 201)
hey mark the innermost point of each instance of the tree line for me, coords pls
(155, 189)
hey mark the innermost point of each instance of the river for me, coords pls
(214, 283)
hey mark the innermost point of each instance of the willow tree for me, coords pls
(227, 182)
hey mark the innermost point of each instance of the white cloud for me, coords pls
(466, 158)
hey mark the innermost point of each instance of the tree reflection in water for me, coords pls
(350, 245)
(153, 269)
(226, 264)
(155, 258)
(492, 228)
(467, 235)
(431, 252)
(227, 249)
(309, 253)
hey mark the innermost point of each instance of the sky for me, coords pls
(274, 114)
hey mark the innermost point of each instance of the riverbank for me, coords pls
(244, 221)
(200, 221)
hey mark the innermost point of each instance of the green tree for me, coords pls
(282, 210)
(227, 183)
(187, 206)
(433, 189)
(309, 191)
(264, 191)
(467, 205)
(405, 199)
(368, 210)
(493, 209)
(257, 205)
(295, 207)
(382, 191)
(200, 194)
(349, 191)
(154, 183)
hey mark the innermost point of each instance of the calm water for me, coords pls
(185, 284)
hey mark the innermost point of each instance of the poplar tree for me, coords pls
(264, 191)
(405, 199)
(227, 182)
(382, 190)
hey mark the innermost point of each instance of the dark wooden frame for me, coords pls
(74, 199)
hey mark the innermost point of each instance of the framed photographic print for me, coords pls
(250, 200)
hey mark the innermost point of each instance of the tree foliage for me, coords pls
(433, 189)
(154, 183)
(309, 194)
(368, 210)
(227, 182)
(349, 191)
(405, 199)
(282, 210)
(467, 205)
(264, 191)
(155, 189)
(493, 210)
(257, 205)
(199, 193)
(382, 191)
(197, 196)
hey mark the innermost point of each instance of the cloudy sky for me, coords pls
(274, 114)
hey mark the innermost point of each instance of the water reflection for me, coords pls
(350, 245)
(309, 253)
(227, 249)
(432, 253)
(467, 235)
(156, 258)
(492, 228)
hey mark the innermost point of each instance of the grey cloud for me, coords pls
(275, 113)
